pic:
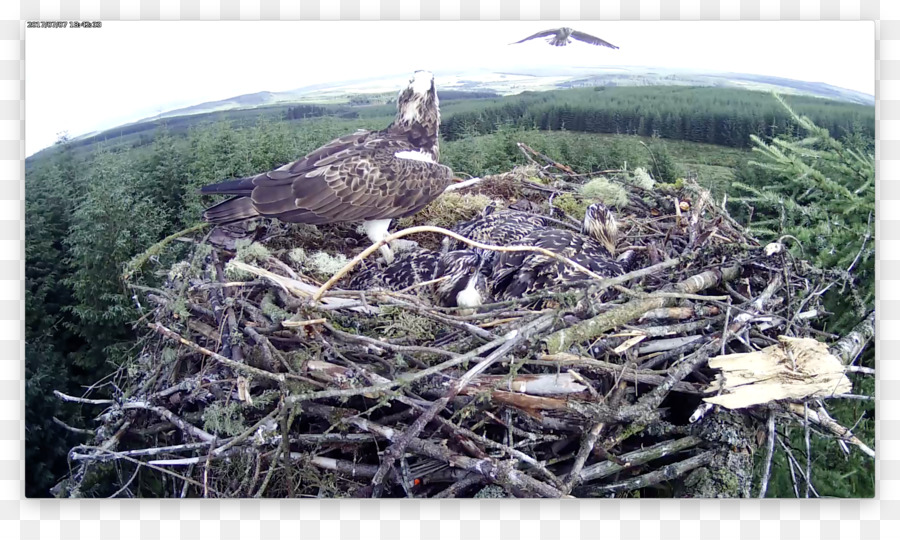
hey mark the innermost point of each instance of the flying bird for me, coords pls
(519, 273)
(560, 37)
(465, 272)
(367, 176)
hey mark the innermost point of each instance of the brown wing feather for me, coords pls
(356, 177)
(545, 33)
(587, 38)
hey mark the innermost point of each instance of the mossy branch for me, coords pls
(561, 340)
(139, 260)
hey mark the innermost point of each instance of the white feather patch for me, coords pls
(377, 229)
(421, 83)
(415, 155)
(469, 297)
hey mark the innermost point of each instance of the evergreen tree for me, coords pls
(821, 191)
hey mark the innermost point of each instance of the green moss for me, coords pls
(272, 310)
(236, 274)
(298, 255)
(326, 265)
(641, 178)
(250, 252)
(601, 189)
(224, 419)
(571, 205)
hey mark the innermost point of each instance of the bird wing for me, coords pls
(520, 273)
(353, 178)
(544, 33)
(587, 38)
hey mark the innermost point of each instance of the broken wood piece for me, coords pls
(797, 368)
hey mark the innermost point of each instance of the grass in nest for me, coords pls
(447, 210)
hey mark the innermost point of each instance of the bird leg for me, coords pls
(377, 230)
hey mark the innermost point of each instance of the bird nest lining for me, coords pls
(254, 379)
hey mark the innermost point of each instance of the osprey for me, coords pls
(520, 273)
(372, 177)
(559, 37)
(465, 287)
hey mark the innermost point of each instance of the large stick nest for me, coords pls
(245, 387)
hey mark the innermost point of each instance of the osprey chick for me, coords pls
(372, 177)
(465, 285)
(560, 37)
(521, 273)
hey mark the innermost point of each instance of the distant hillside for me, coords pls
(479, 94)
(723, 80)
(544, 78)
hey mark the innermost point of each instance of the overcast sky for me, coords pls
(82, 80)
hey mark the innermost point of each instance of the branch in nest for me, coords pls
(663, 474)
(237, 366)
(590, 329)
(823, 419)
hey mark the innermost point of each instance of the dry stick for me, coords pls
(146, 464)
(638, 457)
(179, 422)
(628, 373)
(237, 366)
(73, 429)
(808, 451)
(405, 378)
(462, 185)
(669, 472)
(453, 490)
(86, 401)
(389, 346)
(792, 461)
(140, 452)
(488, 442)
(503, 473)
(848, 347)
(584, 451)
(396, 450)
(234, 349)
(592, 328)
(828, 423)
(770, 452)
(138, 261)
(428, 228)
(137, 469)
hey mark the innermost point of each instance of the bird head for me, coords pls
(600, 224)
(418, 111)
(466, 285)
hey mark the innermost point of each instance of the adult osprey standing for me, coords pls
(559, 37)
(372, 177)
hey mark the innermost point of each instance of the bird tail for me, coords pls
(231, 211)
(239, 186)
